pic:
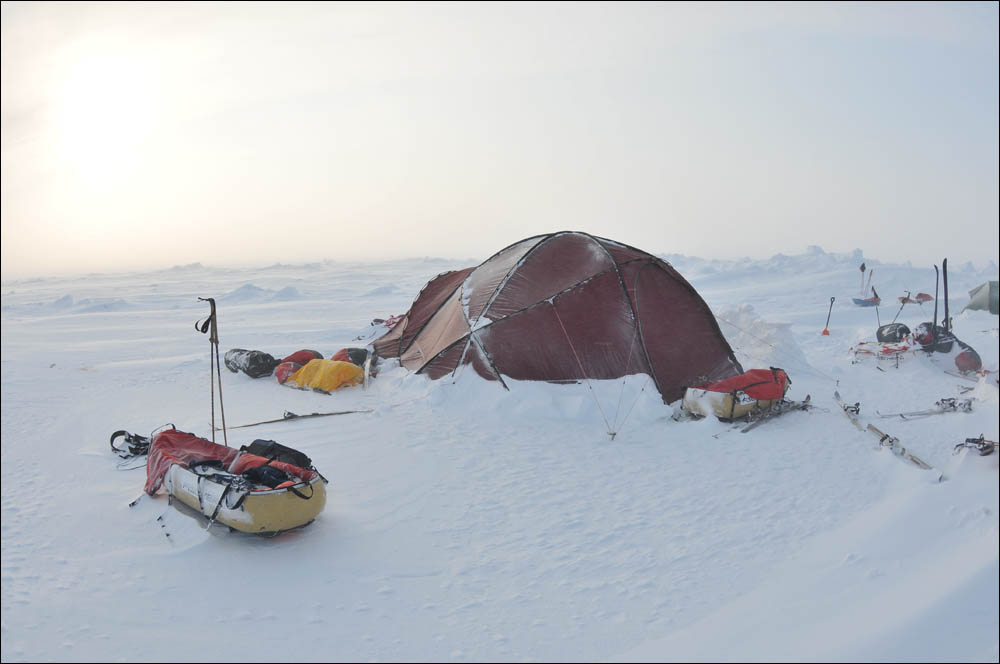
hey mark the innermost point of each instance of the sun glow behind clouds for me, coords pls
(105, 109)
(145, 129)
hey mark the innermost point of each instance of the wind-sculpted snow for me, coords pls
(388, 289)
(246, 293)
(759, 343)
(68, 305)
(109, 305)
(466, 522)
(189, 266)
(287, 293)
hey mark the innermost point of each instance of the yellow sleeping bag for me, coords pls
(326, 375)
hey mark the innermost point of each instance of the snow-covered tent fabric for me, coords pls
(565, 306)
(985, 296)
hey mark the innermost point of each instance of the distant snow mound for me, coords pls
(246, 293)
(814, 260)
(67, 304)
(182, 268)
(759, 344)
(99, 306)
(287, 293)
(388, 289)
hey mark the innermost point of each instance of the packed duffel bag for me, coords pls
(254, 363)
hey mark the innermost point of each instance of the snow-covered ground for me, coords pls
(466, 523)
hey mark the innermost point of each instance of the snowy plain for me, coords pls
(466, 523)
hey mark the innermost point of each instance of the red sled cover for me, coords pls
(760, 384)
(173, 446)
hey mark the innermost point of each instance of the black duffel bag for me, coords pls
(892, 333)
(254, 363)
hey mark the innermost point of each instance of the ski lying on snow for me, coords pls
(292, 416)
(853, 412)
(885, 440)
(974, 376)
(777, 411)
(968, 377)
(947, 405)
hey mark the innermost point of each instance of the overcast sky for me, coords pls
(150, 135)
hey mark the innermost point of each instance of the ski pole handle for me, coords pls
(210, 325)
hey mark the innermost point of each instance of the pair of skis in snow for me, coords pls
(785, 406)
(853, 413)
(946, 405)
(754, 420)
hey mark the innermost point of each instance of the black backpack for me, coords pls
(277, 452)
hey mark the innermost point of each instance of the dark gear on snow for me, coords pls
(254, 363)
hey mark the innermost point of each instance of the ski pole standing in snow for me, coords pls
(944, 275)
(903, 301)
(934, 324)
(826, 328)
(211, 325)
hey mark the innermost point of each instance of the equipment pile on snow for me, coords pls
(303, 369)
(264, 488)
(934, 338)
(737, 397)
(896, 340)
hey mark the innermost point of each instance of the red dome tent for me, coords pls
(564, 307)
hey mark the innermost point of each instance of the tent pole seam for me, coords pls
(496, 291)
(634, 311)
(642, 337)
(429, 318)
